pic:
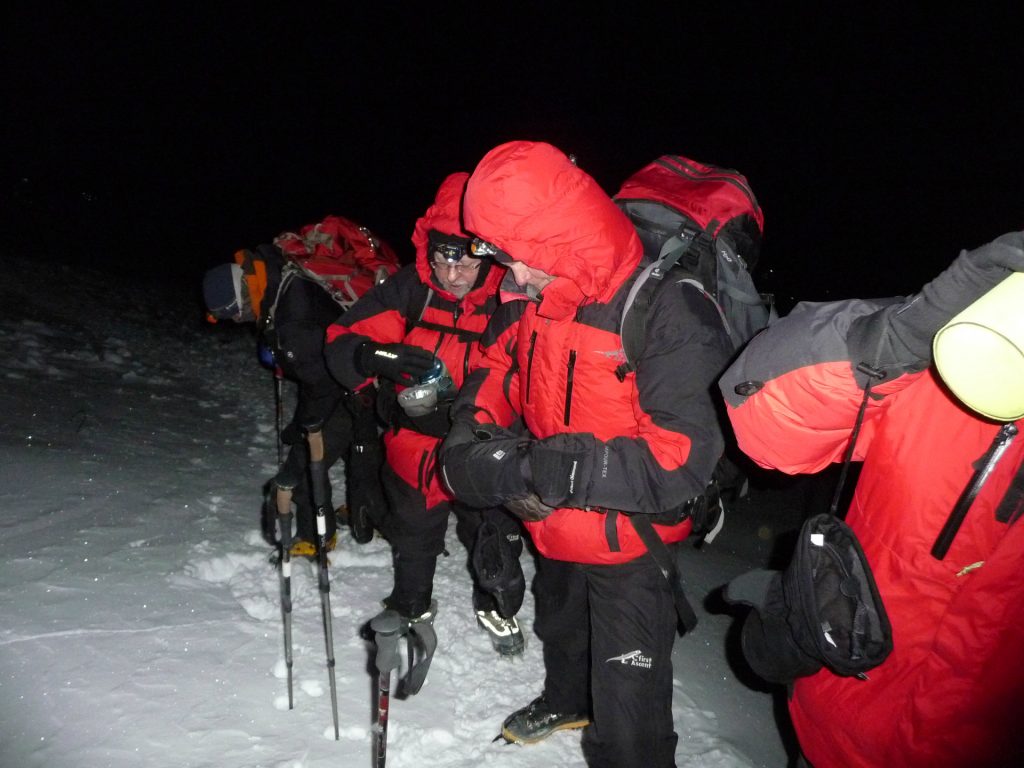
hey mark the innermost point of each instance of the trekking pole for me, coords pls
(386, 627)
(318, 476)
(278, 410)
(284, 511)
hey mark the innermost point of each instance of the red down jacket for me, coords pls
(449, 327)
(950, 692)
(553, 361)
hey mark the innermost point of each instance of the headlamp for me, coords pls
(450, 252)
(483, 249)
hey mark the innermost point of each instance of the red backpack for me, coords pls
(342, 256)
(700, 222)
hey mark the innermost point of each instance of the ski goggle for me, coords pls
(483, 249)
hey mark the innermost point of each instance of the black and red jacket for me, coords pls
(655, 437)
(402, 310)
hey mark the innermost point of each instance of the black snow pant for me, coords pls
(417, 537)
(337, 434)
(608, 632)
(350, 433)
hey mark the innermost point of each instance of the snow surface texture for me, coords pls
(142, 622)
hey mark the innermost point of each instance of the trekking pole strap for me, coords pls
(422, 639)
(667, 565)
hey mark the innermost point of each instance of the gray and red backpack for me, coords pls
(700, 224)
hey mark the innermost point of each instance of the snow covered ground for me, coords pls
(141, 617)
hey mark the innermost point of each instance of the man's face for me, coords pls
(526, 276)
(457, 277)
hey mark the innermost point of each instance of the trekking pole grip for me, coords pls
(315, 438)
(386, 627)
(318, 477)
(284, 511)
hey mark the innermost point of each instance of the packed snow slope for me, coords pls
(142, 621)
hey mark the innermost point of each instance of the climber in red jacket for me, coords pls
(433, 310)
(950, 691)
(546, 427)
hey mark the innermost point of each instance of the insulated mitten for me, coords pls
(899, 338)
(367, 505)
(560, 468)
(435, 423)
(403, 363)
(482, 464)
(498, 572)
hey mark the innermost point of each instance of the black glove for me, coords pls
(899, 337)
(483, 464)
(367, 506)
(403, 363)
(434, 424)
(560, 468)
(529, 508)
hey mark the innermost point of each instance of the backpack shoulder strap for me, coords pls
(417, 307)
(633, 324)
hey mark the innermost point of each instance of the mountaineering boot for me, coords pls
(413, 616)
(426, 617)
(305, 548)
(536, 721)
(505, 635)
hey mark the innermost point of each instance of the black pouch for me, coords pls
(823, 610)
(497, 568)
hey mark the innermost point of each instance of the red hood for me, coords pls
(531, 201)
(445, 216)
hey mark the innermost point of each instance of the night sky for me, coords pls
(159, 141)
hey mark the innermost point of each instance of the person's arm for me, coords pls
(367, 340)
(793, 394)
(899, 338)
(302, 311)
(679, 442)
(669, 462)
(487, 404)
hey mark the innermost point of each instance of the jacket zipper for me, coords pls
(529, 364)
(568, 385)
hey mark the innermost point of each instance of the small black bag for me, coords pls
(823, 610)
(496, 564)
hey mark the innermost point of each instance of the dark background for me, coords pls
(159, 138)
